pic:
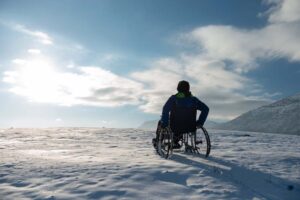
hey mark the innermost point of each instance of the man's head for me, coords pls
(183, 86)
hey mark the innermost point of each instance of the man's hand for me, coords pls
(199, 125)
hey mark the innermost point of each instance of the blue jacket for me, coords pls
(189, 101)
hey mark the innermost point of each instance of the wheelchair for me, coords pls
(196, 142)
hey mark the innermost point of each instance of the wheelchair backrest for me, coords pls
(183, 118)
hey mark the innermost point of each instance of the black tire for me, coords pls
(165, 143)
(202, 142)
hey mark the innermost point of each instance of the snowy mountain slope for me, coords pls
(282, 116)
(149, 125)
(90, 163)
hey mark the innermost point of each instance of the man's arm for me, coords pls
(166, 111)
(204, 111)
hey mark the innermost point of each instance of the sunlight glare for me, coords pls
(37, 78)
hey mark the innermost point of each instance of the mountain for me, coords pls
(211, 124)
(152, 124)
(149, 125)
(282, 116)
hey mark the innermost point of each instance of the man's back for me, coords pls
(181, 111)
(183, 115)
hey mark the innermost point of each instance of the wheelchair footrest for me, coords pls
(191, 149)
(199, 142)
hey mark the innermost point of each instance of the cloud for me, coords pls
(42, 37)
(217, 69)
(41, 81)
(283, 10)
(104, 122)
(19, 61)
(34, 51)
(210, 80)
(109, 57)
(63, 48)
(58, 120)
(246, 47)
(224, 55)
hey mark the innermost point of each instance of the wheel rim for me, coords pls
(164, 147)
(202, 142)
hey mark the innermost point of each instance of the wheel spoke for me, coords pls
(164, 146)
(196, 142)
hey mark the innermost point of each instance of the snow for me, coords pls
(102, 163)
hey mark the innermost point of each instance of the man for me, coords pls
(180, 112)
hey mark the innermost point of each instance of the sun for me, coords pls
(36, 78)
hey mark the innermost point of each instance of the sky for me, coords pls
(112, 63)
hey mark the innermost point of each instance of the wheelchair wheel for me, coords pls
(202, 142)
(165, 143)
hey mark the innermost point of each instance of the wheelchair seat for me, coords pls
(183, 119)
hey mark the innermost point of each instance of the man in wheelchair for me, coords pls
(180, 113)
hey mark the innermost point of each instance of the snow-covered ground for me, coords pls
(90, 163)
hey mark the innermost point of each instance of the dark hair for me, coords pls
(184, 87)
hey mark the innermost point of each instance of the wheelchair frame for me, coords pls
(197, 142)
